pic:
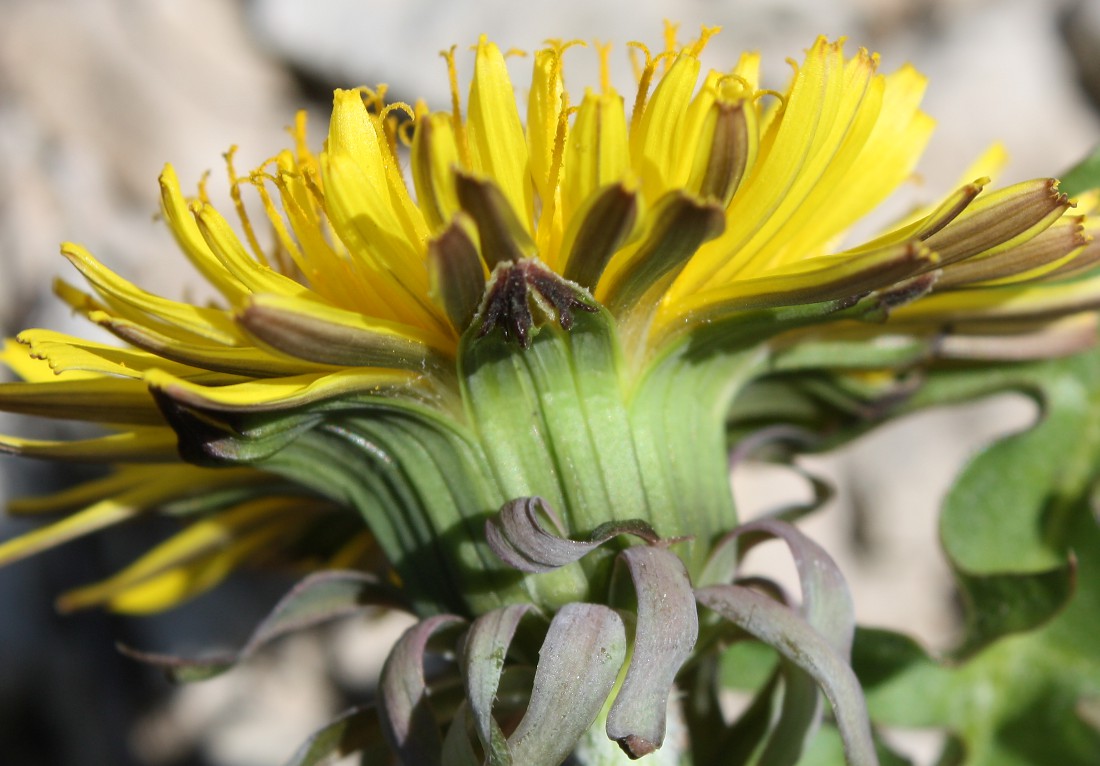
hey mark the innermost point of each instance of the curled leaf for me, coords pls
(826, 603)
(518, 536)
(668, 626)
(483, 655)
(578, 663)
(806, 648)
(407, 718)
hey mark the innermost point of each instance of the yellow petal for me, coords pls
(924, 226)
(829, 112)
(1011, 302)
(67, 354)
(329, 335)
(596, 152)
(341, 279)
(178, 482)
(498, 148)
(1044, 254)
(256, 277)
(123, 477)
(182, 225)
(138, 305)
(598, 229)
(899, 136)
(1001, 220)
(282, 393)
(357, 186)
(236, 361)
(17, 357)
(193, 560)
(153, 445)
(727, 133)
(98, 400)
(816, 280)
(434, 158)
(544, 104)
(653, 149)
(372, 234)
(678, 224)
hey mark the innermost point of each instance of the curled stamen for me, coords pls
(405, 132)
(704, 37)
(633, 47)
(297, 131)
(374, 98)
(644, 82)
(288, 257)
(456, 107)
(604, 51)
(393, 123)
(397, 106)
(768, 92)
(238, 204)
(732, 77)
(671, 30)
(202, 195)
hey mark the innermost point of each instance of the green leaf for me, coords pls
(1004, 521)
(421, 482)
(1084, 176)
(746, 665)
(1019, 702)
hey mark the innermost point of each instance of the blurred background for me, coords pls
(96, 95)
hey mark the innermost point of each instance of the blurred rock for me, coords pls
(1081, 27)
(95, 96)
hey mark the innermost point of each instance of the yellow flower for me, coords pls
(708, 216)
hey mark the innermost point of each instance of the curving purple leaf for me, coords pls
(827, 607)
(405, 713)
(667, 628)
(768, 436)
(579, 661)
(826, 602)
(806, 648)
(483, 656)
(517, 535)
(721, 565)
(320, 597)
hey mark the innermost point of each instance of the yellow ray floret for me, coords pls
(708, 200)
(197, 558)
(122, 506)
